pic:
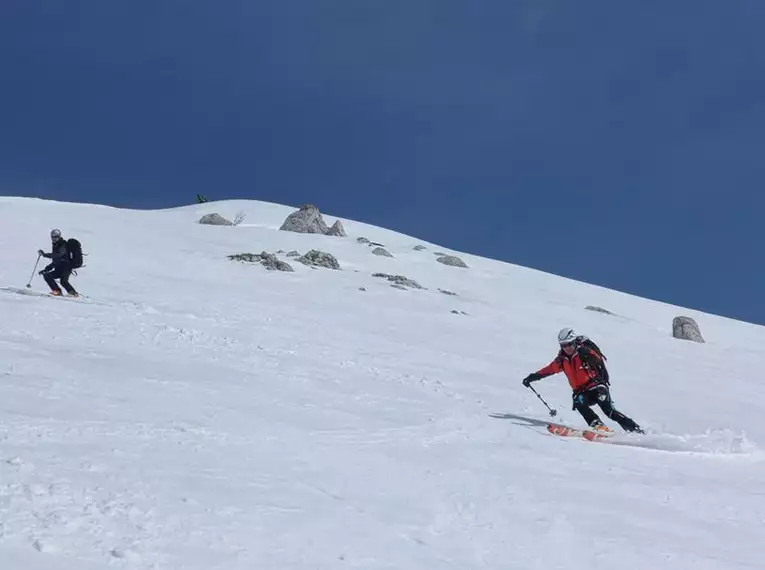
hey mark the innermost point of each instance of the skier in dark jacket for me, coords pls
(60, 266)
(584, 365)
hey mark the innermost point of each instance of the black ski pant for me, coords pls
(62, 274)
(601, 396)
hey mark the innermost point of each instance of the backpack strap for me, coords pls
(594, 359)
(589, 343)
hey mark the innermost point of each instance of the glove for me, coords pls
(41, 272)
(531, 378)
(40, 252)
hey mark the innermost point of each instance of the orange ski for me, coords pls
(559, 429)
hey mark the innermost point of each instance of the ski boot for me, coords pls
(597, 425)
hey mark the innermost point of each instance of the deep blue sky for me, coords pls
(619, 143)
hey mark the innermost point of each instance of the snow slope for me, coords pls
(199, 413)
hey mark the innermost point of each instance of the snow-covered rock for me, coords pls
(215, 220)
(273, 263)
(686, 328)
(318, 258)
(382, 252)
(267, 260)
(598, 310)
(308, 220)
(399, 280)
(451, 260)
(337, 229)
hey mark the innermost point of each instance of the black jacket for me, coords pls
(59, 256)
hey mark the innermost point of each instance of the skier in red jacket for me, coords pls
(584, 365)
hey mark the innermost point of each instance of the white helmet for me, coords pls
(566, 335)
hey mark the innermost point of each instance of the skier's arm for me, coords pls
(553, 368)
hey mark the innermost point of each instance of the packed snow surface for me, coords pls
(194, 412)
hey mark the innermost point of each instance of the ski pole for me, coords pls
(553, 413)
(29, 285)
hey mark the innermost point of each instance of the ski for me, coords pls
(565, 431)
(33, 293)
(562, 430)
(596, 435)
(588, 434)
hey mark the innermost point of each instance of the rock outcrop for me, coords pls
(382, 252)
(399, 281)
(273, 263)
(316, 258)
(686, 328)
(215, 220)
(308, 220)
(598, 310)
(452, 261)
(337, 229)
(267, 260)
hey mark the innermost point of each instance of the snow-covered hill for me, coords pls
(199, 413)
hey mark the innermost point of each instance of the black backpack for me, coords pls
(74, 247)
(599, 366)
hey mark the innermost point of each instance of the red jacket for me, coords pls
(581, 369)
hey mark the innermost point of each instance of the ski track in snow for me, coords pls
(195, 413)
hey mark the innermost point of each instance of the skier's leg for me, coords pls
(607, 405)
(65, 282)
(50, 279)
(582, 405)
